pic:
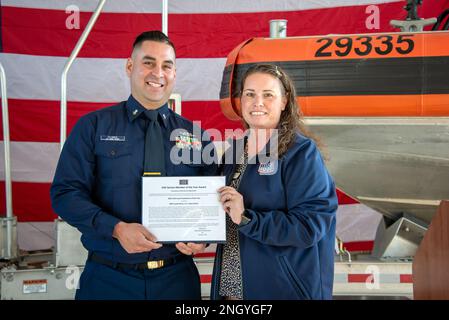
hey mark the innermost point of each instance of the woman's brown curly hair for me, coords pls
(291, 121)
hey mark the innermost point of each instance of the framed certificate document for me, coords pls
(184, 209)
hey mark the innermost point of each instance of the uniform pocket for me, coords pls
(113, 161)
(297, 285)
(189, 169)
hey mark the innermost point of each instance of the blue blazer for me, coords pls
(287, 249)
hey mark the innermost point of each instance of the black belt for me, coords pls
(151, 264)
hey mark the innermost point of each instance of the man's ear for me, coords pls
(129, 66)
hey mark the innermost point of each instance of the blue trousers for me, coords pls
(179, 281)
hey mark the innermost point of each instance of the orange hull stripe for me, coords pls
(430, 105)
(305, 48)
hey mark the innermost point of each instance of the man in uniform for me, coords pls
(98, 181)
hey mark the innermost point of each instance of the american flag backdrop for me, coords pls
(37, 36)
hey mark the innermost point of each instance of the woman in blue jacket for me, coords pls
(280, 201)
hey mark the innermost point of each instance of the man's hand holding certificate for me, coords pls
(183, 209)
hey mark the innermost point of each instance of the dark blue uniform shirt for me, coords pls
(98, 180)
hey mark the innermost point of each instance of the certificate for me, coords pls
(183, 209)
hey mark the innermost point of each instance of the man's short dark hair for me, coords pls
(153, 35)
